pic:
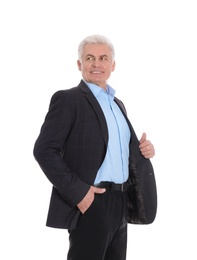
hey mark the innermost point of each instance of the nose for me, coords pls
(96, 63)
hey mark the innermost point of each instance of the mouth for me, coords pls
(96, 72)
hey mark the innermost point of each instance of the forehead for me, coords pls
(96, 50)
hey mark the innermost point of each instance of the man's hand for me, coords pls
(89, 198)
(146, 147)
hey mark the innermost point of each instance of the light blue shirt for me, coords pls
(115, 165)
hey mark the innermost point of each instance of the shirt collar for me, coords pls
(96, 90)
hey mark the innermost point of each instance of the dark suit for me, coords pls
(71, 148)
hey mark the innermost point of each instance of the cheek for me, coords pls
(84, 68)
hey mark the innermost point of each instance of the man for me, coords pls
(101, 174)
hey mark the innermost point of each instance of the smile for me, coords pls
(96, 72)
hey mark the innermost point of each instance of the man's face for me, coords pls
(96, 64)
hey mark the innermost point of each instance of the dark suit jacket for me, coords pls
(70, 149)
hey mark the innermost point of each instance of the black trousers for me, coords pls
(102, 231)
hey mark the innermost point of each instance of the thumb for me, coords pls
(143, 138)
(99, 190)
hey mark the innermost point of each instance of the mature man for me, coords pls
(101, 174)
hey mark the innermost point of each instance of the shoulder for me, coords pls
(73, 92)
(65, 95)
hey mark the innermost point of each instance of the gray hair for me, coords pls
(95, 39)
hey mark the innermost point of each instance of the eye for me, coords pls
(89, 58)
(104, 58)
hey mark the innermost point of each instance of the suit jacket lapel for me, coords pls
(122, 108)
(95, 105)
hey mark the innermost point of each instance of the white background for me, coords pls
(156, 78)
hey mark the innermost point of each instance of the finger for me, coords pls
(146, 146)
(99, 190)
(143, 138)
(148, 153)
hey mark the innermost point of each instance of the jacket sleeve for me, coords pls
(49, 148)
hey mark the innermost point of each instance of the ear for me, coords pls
(113, 65)
(79, 65)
